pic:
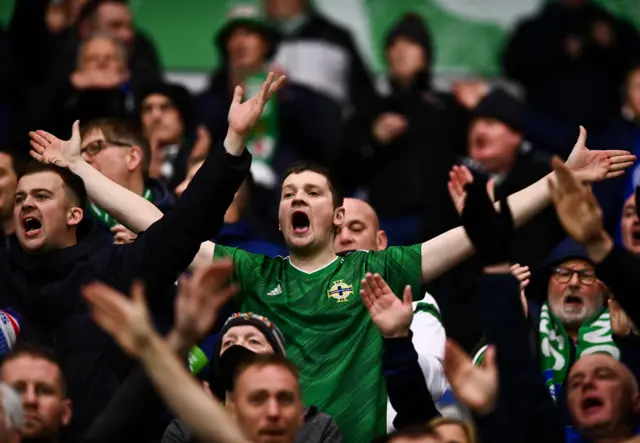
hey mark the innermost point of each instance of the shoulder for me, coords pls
(427, 307)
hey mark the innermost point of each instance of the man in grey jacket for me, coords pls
(243, 336)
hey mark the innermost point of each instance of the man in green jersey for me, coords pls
(313, 294)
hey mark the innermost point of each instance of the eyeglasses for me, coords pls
(564, 275)
(95, 147)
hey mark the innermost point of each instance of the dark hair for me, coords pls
(264, 360)
(122, 130)
(38, 351)
(18, 160)
(408, 432)
(308, 165)
(90, 8)
(74, 186)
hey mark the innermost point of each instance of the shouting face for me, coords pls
(602, 397)
(630, 226)
(307, 215)
(44, 213)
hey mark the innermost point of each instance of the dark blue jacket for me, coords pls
(45, 289)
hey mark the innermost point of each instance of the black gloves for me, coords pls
(489, 231)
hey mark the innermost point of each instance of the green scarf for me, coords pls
(594, 336)
(105, 218)
(264, 136)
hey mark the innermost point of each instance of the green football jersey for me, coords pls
(329, 333)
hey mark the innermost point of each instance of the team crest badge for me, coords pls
(340, 291)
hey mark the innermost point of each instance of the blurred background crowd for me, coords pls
(387, 96)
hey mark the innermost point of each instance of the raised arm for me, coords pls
(446, 251)
(127, 320)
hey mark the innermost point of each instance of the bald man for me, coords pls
(603, 399)
(360, 230)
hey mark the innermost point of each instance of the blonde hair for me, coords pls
(468, 428)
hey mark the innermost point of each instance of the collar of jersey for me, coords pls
(322, 268)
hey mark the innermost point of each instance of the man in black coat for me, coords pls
(55, 251)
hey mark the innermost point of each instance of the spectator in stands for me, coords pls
(166, 113)
(298, 123)
(452, 430)
(36, 374)
(117, 149)
(360, 230)
(96, 89)
(318, 54)
(569, 47)
(11, 414)
(11, 165)
(243, 336)
(412, 113)
(630, 226)
(496, 145)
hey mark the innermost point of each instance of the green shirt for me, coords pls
(328, 331)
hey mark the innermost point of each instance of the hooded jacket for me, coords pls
(45, 289)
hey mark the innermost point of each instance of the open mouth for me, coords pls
(273, 432)
(573, 300)
(32, 226)
(300, 222)
(591, 404)
(635, 236)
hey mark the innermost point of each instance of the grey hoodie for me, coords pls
(318, 427)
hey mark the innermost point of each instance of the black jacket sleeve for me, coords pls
(495, 427)
(620, 270)
(167, 248)
(522, 387)
(406, 387)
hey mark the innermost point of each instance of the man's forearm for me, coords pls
(129, 208)
(182, 394)
(444, 252)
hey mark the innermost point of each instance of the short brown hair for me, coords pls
(73, 184)
(35, 350)
(262, 361)
(308, 165)
(467, 428)
(122, 130)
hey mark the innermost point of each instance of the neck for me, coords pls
(572, 334)
(313, 262)
(136, 184)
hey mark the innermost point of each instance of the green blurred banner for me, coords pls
(469, 34)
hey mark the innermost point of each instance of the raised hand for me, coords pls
(577, 207)
(47, 148)
(522, 273)
(390, 314)
(122, 236)
(125, 319)
(243, 116)
(459, 178)
(477, 387)
(592, 166)
(200, 298)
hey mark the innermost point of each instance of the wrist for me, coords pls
(77, 164)
(150, 347)
(401, 333)
(598, 248)
(234, 143)
(497, 269)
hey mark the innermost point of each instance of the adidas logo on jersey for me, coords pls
(276, 291)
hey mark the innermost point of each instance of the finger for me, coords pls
(619, 166)
(104, 297)
(365, 299)
(566, 179)
(620, 154)
(39, 139)
(582, 137)
(137, 293)
(376, 285)
(491, 184)
(107, 322)
(382, 284)
(44, 134)
(372, 286)
(203, 133)
(238, 93)
(407, 298)
(364, 283)
(36, 156)
(264, 89)
(275, 86)
(489, 361)
(614, 174)
(75, 130)
(525, 283)
(455, 183)
(466, 173)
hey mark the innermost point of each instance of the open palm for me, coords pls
(47, 148)
(592, 166)
(390, 314)
(476, 386)
(243, 116)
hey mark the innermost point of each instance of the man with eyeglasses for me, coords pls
(117, 148)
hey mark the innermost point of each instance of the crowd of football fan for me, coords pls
(186, 268)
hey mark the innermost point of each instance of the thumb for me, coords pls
(454, 358)
(489, 361)
(75, 131)
(582, 137)
(137, 292)
(408, 298)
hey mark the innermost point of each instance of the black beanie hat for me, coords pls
(179, 96)
(412, 27)
(502, 106)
